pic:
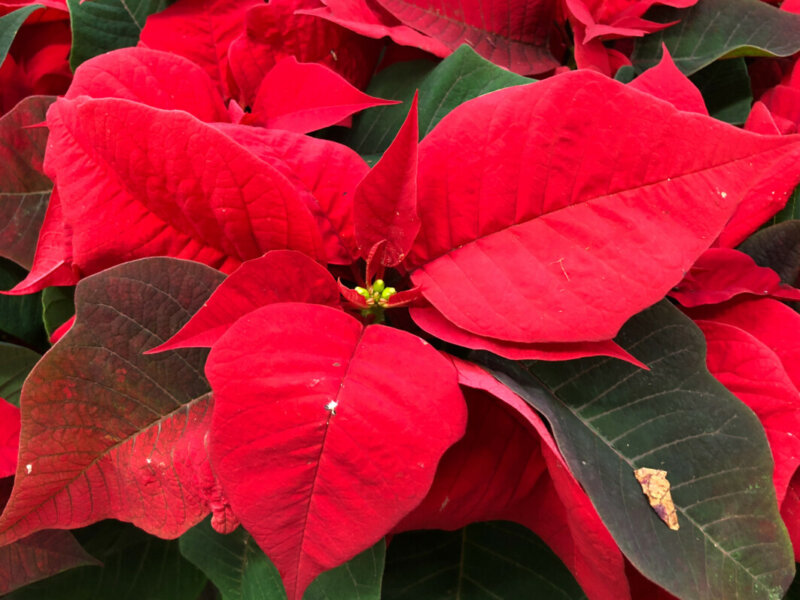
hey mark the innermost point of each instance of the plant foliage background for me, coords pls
(361, 299)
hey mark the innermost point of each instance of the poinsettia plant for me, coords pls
(360, 299)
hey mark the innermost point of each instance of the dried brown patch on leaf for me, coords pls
(656, 487)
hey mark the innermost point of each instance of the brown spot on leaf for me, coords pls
(656, 487)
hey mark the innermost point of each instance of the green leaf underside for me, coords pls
(135, 566)
(21, 315)
(103, 25)
(778, 248)
(484, 561)
(9, 26)
(241, 570)
(610, 418)
(58, 305)
(15, 364)
(460, 77)
(713, 29)
(725, 86)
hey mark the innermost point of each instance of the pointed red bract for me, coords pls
(431, 321)
(276, 30)
(722, 273)
(326, 433)
(9, 438)
(278, 276)
(755, 374)
(303, 97)
(520, 249)
(148, 182)
(108, 432)
(607, 19)
(150, 77)
(385, 203)
(200, 30)
(666, 82)
(514, 35)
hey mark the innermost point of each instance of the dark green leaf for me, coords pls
(777, 247)
(241, 570)
(24, 189)
(484, 561)
(103, 25)
(625, 74)
(712, 29)
(136, 566)
(609, 418)
(58, 306)
(20, 316)
(725, 86)
(15, 364)
(460, 77)
(9, 26)
(794, 590)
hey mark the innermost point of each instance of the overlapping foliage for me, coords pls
(299, 282)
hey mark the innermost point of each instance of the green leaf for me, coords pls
(9, 26)
(777, 247)
(20, 316)
(58, 306)
(15, 364)
(484, 561)
(713, 29)
(794, 589)
(460, 77)
(103, 25)
(135, 566)
(24, 189)
(609, 418)
(725, 86)
(241, 570)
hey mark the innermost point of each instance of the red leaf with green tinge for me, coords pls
(24, 189)
(38, 556)
(325, 432)
(200, 30)
(512, 34)
(150, 77)
(520, 250)
(108, 432)
(385, 203)
(303, 97)
(215, 202)
(278, 276)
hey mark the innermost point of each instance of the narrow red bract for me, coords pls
(385, 202)
(326, 433)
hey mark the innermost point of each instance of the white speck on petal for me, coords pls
(445, 503)
(724, 194)
(148, 460)
(331, 406)
(29, 468)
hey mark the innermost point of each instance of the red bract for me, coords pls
(277, 30)
(320, 443)
(722, 273)
(304, 97)
(9, 438)
(216, 203)
(527, 259)
(202, 31)
(385, 202)
(666, 82)
(278, 276)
